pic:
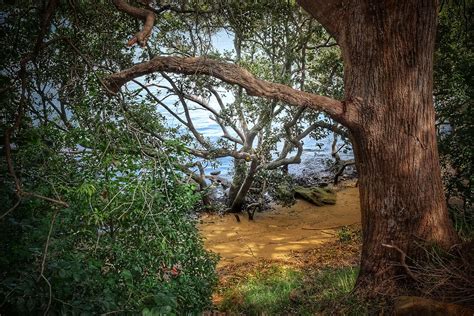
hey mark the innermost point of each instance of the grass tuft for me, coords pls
(262, 292)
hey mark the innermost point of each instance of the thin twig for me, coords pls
(327, 228)
(43, 262)
(50, 294)
(403, 256)
(42, 197)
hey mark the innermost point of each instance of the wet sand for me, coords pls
(277, 233)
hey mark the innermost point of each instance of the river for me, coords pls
(316, 152)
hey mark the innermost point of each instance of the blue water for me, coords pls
(315, 155)
(314, 158)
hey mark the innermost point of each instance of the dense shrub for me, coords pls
(125, 243)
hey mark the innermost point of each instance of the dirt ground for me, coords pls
(279, 233)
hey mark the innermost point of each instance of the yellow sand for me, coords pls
(275, 234)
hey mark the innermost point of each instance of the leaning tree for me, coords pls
(248, 129)
(387, 49)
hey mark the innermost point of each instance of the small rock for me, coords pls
(316, 195)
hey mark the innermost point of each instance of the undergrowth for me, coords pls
(317, 282)
(281, 290)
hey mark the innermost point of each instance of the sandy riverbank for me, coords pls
(276, 234)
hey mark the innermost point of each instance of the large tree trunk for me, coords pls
(388, 58)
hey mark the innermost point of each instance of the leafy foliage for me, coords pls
(454, 92)
(126, 241)
(124, 244)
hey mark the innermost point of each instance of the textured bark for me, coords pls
(387, 50)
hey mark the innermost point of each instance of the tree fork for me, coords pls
(147, 16)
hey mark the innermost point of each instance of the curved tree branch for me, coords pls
(232, 74)
(147, 16)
